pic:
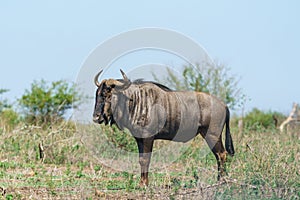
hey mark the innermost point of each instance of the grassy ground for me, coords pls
(266, 166)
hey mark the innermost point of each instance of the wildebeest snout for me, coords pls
(97, 118)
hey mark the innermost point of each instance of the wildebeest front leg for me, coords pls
(145, 149)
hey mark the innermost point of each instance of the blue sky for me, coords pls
(258, 40)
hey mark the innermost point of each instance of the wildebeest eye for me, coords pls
(107, 91)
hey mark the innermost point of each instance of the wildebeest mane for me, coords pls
(142, 81)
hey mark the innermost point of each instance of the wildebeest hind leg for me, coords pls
(219, 151)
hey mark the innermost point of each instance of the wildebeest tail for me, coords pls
(228, 140)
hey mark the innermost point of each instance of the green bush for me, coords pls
(9, 118)
(120, 139)
(45, 103)
(257, 119)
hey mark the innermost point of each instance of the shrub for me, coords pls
(120, 139)
(9, 119)
(257, 119)
(45, 103)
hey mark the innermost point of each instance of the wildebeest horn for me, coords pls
(120, 85)
(96, 78)
(124, 76)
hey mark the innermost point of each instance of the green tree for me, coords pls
(45, 103)
(213, 79)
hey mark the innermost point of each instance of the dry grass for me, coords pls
(266, 166)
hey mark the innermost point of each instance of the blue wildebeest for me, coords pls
(152, 111)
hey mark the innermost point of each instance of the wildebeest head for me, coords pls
(105, 89)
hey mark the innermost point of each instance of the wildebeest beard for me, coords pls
(107, 113)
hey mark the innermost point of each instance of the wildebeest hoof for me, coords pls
(143, 184)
